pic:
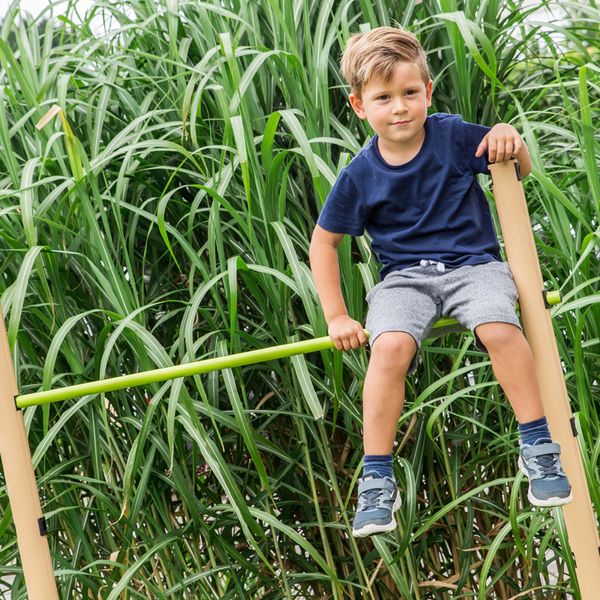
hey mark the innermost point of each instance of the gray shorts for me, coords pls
(413, 299)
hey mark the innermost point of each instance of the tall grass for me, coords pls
(162, 212)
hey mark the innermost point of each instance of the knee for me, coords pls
(497, 335)
(394, 349)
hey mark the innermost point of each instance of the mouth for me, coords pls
(400, 122)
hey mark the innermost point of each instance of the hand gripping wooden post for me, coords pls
(20, 483)
(524, 265)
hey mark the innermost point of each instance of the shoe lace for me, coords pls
(370, 499)
(547, 464)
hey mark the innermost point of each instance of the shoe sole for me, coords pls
(554, 501)
(374, 528)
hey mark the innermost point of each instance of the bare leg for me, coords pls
(512, 362)
(383, 393)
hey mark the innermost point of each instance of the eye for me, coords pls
(382, 97)
(411, 92)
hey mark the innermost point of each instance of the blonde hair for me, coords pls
(377, 52)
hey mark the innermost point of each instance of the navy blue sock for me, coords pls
(378, 465)
(534, 430)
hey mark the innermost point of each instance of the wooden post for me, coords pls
(20, 482)
(523, 260)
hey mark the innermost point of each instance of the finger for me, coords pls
(509, 149)
(517, 148)
(482, 147)
(500, 151)
(356, 342)
(492, 150)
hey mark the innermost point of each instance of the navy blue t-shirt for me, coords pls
(431, 207)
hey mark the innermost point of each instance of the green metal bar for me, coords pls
(194, 368)
(185, 370)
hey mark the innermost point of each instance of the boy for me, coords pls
(413, 187)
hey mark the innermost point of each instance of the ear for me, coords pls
(358, 106)
(428, 92)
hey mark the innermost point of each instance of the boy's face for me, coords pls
(396, 109)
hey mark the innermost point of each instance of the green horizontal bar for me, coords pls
(185, 370)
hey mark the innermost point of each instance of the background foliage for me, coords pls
(163, 214)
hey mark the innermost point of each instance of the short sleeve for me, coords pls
(471, 135)
(343, 211)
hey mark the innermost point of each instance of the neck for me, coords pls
(398, 154)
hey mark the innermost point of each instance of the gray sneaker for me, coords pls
(378, 499)
(548, 483)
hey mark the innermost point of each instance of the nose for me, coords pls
(399, 106)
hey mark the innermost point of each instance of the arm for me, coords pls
(504, 142)
(326, 273)
(345, 331)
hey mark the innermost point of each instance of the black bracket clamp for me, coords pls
(518, 170)
(573, 427)
(43, 527)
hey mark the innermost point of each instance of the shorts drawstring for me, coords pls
(441, 267)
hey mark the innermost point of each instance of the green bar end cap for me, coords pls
(551, 297)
